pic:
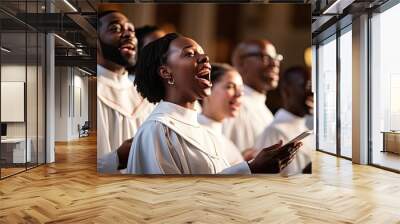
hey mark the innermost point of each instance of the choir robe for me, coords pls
(254, 116)
(171, 141)
(109, 163)
(285, 127)
(120, 110)
(232, 153)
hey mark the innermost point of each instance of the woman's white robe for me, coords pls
(171, 141)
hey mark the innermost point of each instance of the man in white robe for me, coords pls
(120, 108)
(258, 63)
(290, 121)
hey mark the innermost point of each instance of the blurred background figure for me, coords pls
(146, 34)
(258, 63)
(308, 62)
(224, 102)
(295, 88)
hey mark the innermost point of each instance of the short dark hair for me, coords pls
(104, 13)
(142, 32)
(147, 75)
(291, 76)
(218, 70)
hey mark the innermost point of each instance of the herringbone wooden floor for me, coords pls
(70, 191)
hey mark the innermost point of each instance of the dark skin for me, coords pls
(123, 153)
(296, 92)
(255, 61)
(153, 36)
(274, 158)
(116, 31)
(189, 68)
(187, 62)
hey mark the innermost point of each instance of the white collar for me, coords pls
(112, 78)
(210, 123)
(118, 92)
(283, 115)
(184, 122)
(177, 112)
(250, 92)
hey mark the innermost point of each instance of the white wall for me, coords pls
(33, 127)
(13, 73)
(61, 103)
(71, 87)
(80, 93)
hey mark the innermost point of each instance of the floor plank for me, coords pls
(70, 191)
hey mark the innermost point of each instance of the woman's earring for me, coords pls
(171, 81)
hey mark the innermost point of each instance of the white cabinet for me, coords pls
(15, 148)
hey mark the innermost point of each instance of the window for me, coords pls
(345, 42)
(22, 78)
(326, 76)
(385, 88)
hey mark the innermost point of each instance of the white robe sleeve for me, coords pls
(151, 152)
(240, 168)
(108, 163)
(103, 143)
(113, 127)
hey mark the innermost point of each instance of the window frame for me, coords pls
(342, 27)
(378, 10)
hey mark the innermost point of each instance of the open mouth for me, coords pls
(127, 48)
(204, 77)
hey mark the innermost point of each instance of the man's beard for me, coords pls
(113, 54)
